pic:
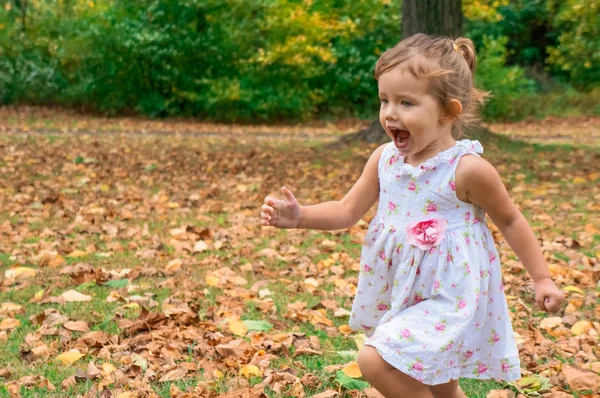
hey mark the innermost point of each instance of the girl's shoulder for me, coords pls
(474, 173)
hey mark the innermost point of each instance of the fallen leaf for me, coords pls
(250, 370)
(579, 380)
(20, 272)
(69, 357)
(352, 370)
(212, 280)
(551, 323)
(74, 296)
(173, 265)
(359, 340)
(177, 373)
(326, 394)
(78, 253)
(200, 246)
(500, 394)
(92, 371)
(581, 327)
(9, 324)
(237, 327)
(78, 326)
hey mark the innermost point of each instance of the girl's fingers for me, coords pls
(271, 201)
(267, 208)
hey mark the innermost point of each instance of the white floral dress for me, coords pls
(430, 294)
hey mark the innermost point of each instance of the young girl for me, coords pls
(430, 294)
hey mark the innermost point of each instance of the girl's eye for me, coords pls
(406, 103)
(384, 101)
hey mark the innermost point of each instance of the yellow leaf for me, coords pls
(78, 253)
(345, 329)
(173, 265)
(250, 370)
(212, 280)
(38, 296)
(107, 369)
(352, 370)
(237, 327)
(69, 357)
(578, 180)
(20, 272)
(359, 340)
(56, 261)
(581, 327)
(573, 289)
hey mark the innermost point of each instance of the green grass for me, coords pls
(242, 243)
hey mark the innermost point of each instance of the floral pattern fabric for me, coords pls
(430, 294)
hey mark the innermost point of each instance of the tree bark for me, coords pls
(433, 17)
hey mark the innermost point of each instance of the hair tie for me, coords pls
(456, 47)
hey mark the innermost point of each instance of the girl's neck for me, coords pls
(430, 151)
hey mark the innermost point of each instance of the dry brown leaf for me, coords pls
(326, 394)
(178, 373)
(77, 326)
(500, 394)
(174, 265)
(9, 324)
(579, 380)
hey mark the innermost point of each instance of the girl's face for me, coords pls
(412, 117)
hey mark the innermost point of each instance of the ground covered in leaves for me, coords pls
(134, 265)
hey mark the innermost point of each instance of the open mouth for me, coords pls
(400, 136)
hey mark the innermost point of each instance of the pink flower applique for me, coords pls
(506, 366)
(426, 234)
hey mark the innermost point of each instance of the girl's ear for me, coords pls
(452, 111)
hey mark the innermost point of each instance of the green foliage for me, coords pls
(577, 55)
(505, 82)
(270, 60)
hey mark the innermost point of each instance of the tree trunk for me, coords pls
(433, 17)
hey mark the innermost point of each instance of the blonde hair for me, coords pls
(449, 64)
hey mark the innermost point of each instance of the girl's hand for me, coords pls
(281, 213)
(548, 296)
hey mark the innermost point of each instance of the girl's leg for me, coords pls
(448, 390)
(387, 379)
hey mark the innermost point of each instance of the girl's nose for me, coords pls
(390, 113)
